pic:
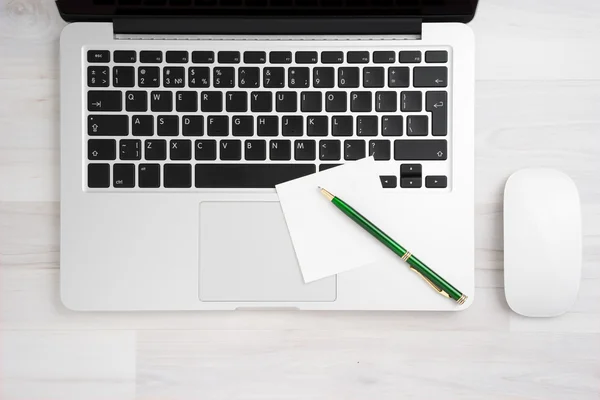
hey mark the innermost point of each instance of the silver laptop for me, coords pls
(178, 118)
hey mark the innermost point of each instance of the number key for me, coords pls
(323, 77)
(224, 77)
(199, 77)
(148, 77)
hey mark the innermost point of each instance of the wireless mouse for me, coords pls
(542, 242)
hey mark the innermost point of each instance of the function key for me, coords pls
(306, 57)
(410, 57)
(229, 57)
(358, 57)
(125, 56)
(436, 56)
(332, 57)
(177, 57)
(98, 56)
(384, 57)
(255, 57)
(280, 57)
(151, 57)
(203, 57)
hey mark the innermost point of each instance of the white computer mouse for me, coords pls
(542, 242)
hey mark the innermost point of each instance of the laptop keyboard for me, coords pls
(252, 119)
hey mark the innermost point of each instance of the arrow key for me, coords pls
(410, 183)
(437, 181)
(388, 181)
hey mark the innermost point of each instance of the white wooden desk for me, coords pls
(538, 104)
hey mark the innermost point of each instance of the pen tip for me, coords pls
(326, 194)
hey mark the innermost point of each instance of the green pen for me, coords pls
(430, 276)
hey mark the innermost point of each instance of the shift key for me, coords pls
(420, 149)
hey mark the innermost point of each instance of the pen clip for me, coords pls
(437, 289)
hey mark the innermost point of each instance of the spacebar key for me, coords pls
(249, 175)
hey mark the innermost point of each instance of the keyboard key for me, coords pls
(98, 176)
(380, 150)
(249, 77)
(177, 57)
(361, 102)
(304, 150)
(411, 101)
(124, 175)
(217, 125)
(437, 104)
(267, 126)
(261, 101)
(236, 102)
(161, 101)
(341, 125)
(410, 183)
(325, 167)
(255, 150)
(155, 149)
(280, 150)
(174, 77)
(105, 100)
(417, 125)
(420, 149)
(273, 77)
(386, 102)
(149, 77)
(411, 170)
(167, 125)
(180, 150)
(330, 150)
(306, 57)
(108, 125)
(436, 182)
(98, 76)
(323, 77)
(193, 125)
(374, 77)
(354, 150)
(149, 175)
(311, 102)
(130, 149)
(286, 102)
(249, 175)
(358, 57)
(392, 125)
(366, 126)
(336, 101)
(142, 125)
(186, 101)
(410, 57)
(224, 77)
(430, 77)
(203, 57)
(151, 57)
(230, 150)
(436, 57)
(298, 77)
(348, 77)
(98, 56)
(229, 57)
(332, 57)
(316, 126)
(384, 57)
(399, 77)
(206, 149)
(178, 175)
(255, 57)
(242, 125)
(292, 126)
(125, 56)
(102, 149)
(136, 101)
(211, 101)
(388, 181)
(199, 77)
(280, 57)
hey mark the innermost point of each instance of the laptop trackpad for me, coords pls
(246, 254)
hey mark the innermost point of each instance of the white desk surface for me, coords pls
(538, 104)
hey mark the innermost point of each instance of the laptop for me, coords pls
(178, 118)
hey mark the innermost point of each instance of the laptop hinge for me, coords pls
(266, 26)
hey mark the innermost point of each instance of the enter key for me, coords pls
(437, 104)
